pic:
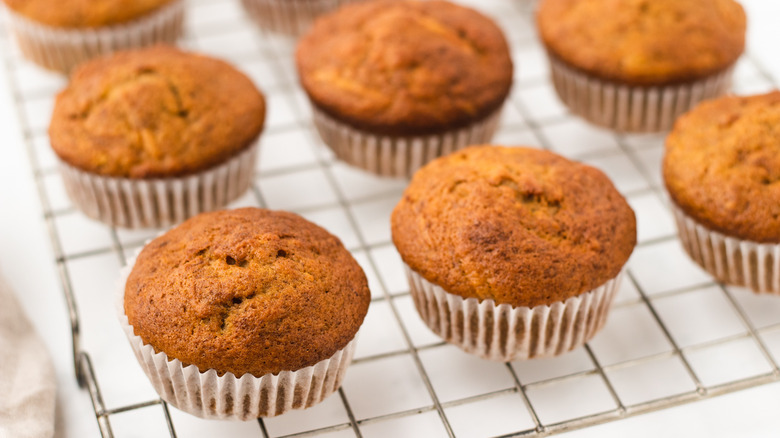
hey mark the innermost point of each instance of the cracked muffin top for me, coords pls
(155, 112)
(722, 166)
(246, 291)
(520, 226)
(644, 42)
(84, 13)
(405, 67)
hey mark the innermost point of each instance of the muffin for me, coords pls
(513, 253)
(244, 313)
(722, 171)
(60, 35)
(289, 17)
(395, 84)
(636, 65)
(150, 137)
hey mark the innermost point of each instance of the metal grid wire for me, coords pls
(532, 117)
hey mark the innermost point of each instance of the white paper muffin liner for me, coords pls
(398, 156)
(632, 108)
(505, 333)
(289, 17)
(227, 397)
(63, 48)
(155, 203)
(729, 259)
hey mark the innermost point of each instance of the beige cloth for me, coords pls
(27, 379)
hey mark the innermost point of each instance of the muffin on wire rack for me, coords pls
(513, 253)
(59, 35)
(289, 17)
(150, 137)
(636, 65)
(243, 314)
(395, 84)
(722, 171)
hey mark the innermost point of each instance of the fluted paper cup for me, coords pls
(394, 156)
(159, 202)
(729, 259)
(629, 108)
(504, 332)
(64, 48)
(290, 17)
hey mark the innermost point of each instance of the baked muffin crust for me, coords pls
(405, 67)
(155, 112)
(84, 13)
(722, 166)
(644, 42)
(246, 291)
(520, 226)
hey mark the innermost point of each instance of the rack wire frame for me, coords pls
(85, 373)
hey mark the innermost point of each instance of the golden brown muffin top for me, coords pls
(246, 291)
(520, 226)
(84, 13)
(405, 67)
(722, 166)
(155, 112)
(644, 42)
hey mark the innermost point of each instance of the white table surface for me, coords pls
(27, 262)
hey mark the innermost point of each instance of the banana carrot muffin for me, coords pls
(395, 84)
(244, 313)
(513, 253)
(150, 137)
(722, 172)
(635, 65)
(62, 34)
(290, 17)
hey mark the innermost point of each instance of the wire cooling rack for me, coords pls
(673, 337)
